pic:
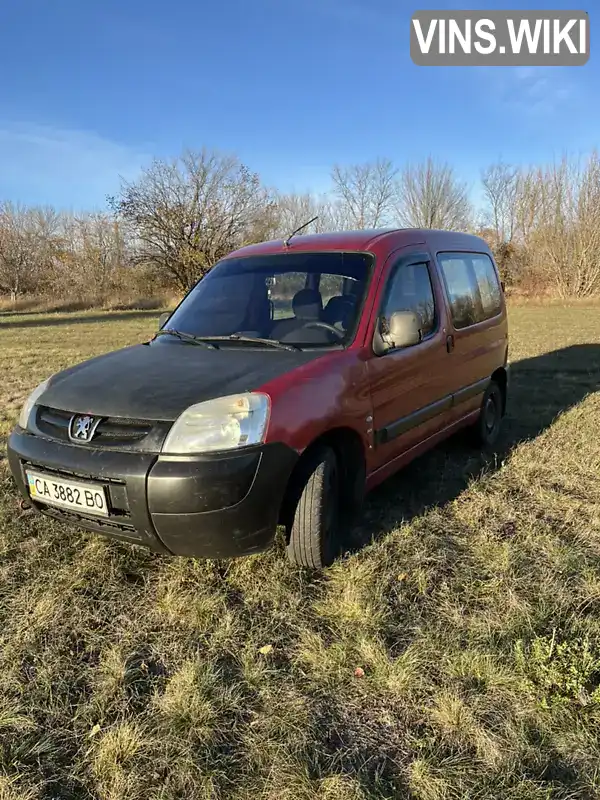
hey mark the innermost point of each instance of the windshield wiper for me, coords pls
(234, 337)
(185, 337)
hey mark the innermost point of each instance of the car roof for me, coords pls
(364, 241)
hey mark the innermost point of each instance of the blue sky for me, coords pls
(92, 90)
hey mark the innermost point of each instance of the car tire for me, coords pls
(314, 535)
(489, 423)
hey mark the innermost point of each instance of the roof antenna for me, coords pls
(301, 228)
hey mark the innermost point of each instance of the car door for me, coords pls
(409, 386)
(477, 324)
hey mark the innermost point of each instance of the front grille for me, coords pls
(112, 432)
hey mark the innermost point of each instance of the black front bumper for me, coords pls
(212, 506)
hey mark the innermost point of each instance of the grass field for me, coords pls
(474, 617)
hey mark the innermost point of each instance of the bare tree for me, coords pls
(28, 247)
(529, 202)
(429, 195)
(188, 213)
(564, 242)
(181, 216)
(95, 251)
(501, 184)
(365, 193)
(294, 210)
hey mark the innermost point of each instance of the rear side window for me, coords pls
(472, 285)
(490, 290)
(410, 289)
(462, 289)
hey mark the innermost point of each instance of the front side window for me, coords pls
(472, 286)
(410, 289)
(307, 299)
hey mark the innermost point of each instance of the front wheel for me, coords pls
(314, 536)
(487, 428)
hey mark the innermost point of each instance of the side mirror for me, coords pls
(402, 329)
(162, 320)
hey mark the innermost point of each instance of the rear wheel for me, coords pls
(314, 537)
(488, 426)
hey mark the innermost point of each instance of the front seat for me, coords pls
(307, 305)
(339, 310)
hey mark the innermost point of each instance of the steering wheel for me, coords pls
(331, 328)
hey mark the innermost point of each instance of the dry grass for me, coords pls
(474, 615)
(533, 299)
(123, 301)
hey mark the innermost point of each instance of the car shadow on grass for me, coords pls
(541, 388)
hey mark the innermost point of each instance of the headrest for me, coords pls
(340, 302)
(339, 308)
(307, 304)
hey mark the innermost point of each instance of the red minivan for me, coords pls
(294, 377)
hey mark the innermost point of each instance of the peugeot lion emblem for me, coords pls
(82, 427)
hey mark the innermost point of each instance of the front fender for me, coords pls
(324, 394)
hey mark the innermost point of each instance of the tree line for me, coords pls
(168, 227)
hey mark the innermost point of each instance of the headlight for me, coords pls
(30, 402)
(220, 424)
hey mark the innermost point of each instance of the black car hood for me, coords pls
(160, 380)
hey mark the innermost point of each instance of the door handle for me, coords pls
(450, 343)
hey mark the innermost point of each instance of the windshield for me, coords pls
(304, 299)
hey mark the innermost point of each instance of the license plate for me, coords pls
(85, 497)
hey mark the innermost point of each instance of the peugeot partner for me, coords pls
(294, 377)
